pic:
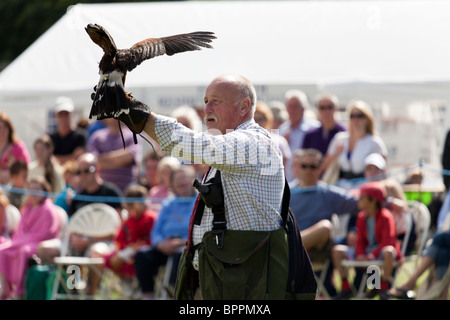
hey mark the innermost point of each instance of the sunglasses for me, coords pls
(309, 166)
(91, 169)
(326, 107)
(357, 116)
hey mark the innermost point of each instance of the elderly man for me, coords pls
(239, 210)
(298, 124)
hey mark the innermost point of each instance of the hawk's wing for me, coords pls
(152, 47)
(102, 38)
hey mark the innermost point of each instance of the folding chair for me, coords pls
(92, 220)
(422, 220)
(166, 277)
(321, 268)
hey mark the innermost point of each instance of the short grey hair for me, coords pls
(247, 90)
(300, 153)
(328, 96)
(299, 95)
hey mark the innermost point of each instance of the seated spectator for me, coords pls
(348, 149)
(72, 179)
(12, 149)
(46, 165)
(67, 141)
(313, 203)
(375, 170)
(437, 256)
(118, 165)
(279, 112)
(133, 234)
(188, 116)
(264, 117)
(170, 233)
(149, 177)
(93, 187)
(298, 123)
(375, 239)
(319, 138)
(4, 232)
(162, 190)
(18, 179)
(40, 221)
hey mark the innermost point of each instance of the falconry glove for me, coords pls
(124, 107)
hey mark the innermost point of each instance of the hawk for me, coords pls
(109, 99)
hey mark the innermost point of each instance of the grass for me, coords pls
(404, 273)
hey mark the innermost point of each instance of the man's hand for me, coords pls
(171, 245)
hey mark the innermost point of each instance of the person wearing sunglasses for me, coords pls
(350, 148)
(313, 203)
(319, 138)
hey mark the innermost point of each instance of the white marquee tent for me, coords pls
(394, 54)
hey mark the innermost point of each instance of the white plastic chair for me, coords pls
(422, 220)
(64, 218)
(92, 220)
(13, 217)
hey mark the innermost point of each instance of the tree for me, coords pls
(23, 21)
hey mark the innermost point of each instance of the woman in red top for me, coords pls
(375, 238)
(134, 233)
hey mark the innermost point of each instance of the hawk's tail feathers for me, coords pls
(109, 102)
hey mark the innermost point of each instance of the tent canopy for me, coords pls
(270, 42)
(390, 52)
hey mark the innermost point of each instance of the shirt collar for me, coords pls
(246, 124)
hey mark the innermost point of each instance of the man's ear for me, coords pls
(245, 106)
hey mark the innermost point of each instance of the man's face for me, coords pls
(308, 169)
(151, 169)
(295, 110)
(222, 106)
(182, 184)
(86, 172)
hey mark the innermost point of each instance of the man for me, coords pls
(68, 142)
(93, 187)
(313, 203)
(319, 138)
(118, 165)
(252, 180)
(295, 128)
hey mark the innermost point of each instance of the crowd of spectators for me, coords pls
(326, 163)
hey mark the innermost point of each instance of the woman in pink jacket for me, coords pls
(40, 221)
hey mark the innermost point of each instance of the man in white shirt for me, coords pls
(251, 171)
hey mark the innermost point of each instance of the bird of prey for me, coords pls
(109, 99)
